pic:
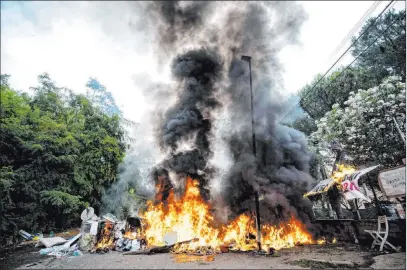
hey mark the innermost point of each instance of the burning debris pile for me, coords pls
(208, 174)
(191, 218)
(187, 225)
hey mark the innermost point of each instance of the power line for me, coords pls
(357, 26)
(323, 76)
(380, 35)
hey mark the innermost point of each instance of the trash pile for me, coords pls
(54, 245)
(96, 235)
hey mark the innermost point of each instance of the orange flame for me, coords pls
(132, 235)
(190, 217)
(341, 171)
(107, 238)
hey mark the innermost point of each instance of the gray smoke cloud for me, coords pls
(202, 123)
(213, 104)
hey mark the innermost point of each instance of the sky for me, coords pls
(75, 40)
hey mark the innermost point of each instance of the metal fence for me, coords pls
(392, 211)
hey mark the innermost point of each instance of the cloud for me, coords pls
(75, 40)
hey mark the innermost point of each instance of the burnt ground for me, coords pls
(311, 257)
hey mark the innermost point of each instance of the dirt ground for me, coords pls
(305, 257)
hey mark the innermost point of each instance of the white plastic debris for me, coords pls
(72, 241)
(170, 238)
(135, 245)
(94, 227)
(52, 241)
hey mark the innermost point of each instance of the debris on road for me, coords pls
(161, 249)
(25, 235)
(53, 241)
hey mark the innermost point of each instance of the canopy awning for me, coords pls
(321, 187)
(326, 184)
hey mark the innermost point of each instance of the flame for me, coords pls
(191, 218)
(106, 240)
(341, 171)
(132, 235)
(321, 241)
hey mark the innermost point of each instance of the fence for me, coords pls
(393, 211)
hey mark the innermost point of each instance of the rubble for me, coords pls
(161, 249)
(61, 251)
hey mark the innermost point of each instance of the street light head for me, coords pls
(246, 58)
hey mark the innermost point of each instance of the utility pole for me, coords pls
(256, 193)
(399, 130)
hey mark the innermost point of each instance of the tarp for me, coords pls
(321, 187)
(349, 184)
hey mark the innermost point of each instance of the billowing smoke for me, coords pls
(202, 122)
(211, 119)
(190, 118)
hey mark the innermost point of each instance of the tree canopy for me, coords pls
(387, 55)
(57, 152)
(99, 96)
(365, 127)
(376, 60)
(334, 89)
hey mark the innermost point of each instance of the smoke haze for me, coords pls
(201, 122)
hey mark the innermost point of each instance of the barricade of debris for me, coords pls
(99, 235)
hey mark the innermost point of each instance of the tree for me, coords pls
(334, 89)
(305, 124)
(384, 58)
(57, 152)
(387, 56)
(102, 98)
(365, 126)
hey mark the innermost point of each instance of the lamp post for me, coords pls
(256, 193)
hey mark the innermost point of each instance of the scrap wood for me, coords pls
(161, 249)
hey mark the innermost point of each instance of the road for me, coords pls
(345, 256)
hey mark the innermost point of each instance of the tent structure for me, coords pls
(349, 183)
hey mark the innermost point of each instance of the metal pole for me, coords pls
(399, 130)
(251, 101)
(256, 194)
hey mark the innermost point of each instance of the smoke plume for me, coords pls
(202, 122)
(210, 119)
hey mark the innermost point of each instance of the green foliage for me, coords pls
(365, 127)
(57, 152)
(61, 200)
(305, 124)
(334, 89)
(387, 56)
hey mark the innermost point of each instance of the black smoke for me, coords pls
(197, 72)
(212, 82)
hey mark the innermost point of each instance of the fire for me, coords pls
(191, 218)
(133, 235)
(321, 241)
(341, 171)
(106, 240)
